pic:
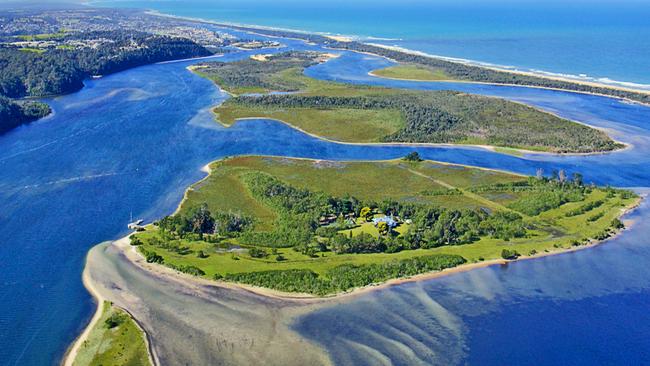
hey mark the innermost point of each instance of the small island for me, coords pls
(326, 227)
(364, 114)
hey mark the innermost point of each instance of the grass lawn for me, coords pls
(340, 124)
(122, 344)
(404, 181)
(32, 49)
(412, 72)
(42, 36)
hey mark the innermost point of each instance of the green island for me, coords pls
(326, 227)
(363, 114)
(114, 340)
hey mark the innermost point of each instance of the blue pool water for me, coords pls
(132, 142)
(604, 39)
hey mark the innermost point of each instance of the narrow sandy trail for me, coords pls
(471, 195)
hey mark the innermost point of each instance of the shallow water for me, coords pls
(194, 324)
(581, 308)
(132, 142)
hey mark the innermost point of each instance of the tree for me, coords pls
(562, 176)
(201, 221)
(577, 179)
(255, 252)
(382, 227)
(509, 254)
(114, 320)
(539, 174)
(366, 213)
(413, 156)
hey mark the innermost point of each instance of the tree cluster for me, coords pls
(344, 277)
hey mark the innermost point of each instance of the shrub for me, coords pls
(617, 224)
(412, 156)
(114, 320)
(134, 240)
(509, 254)
(255, 252)
(153, 257)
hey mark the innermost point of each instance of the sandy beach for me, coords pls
(221, 324)
(517, 72)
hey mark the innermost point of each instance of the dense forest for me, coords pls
(13, 114)
(59, 71)
(454, 117)
(62, 70)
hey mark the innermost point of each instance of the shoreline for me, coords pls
(134, 256)
(627, 100)
(254, 29)
(515, 151)
(541, 74)
(138, 259)
(71, 353)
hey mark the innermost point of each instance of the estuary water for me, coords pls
(602, 39)
(130, 143)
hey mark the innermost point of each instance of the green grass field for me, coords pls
(403, 181)
(122, 344)
(42, 36)
(341, 124)
(32, 50)
(412, 72)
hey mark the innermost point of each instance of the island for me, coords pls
(364, 114)
(327, 227)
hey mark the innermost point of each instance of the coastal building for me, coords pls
(389, 220)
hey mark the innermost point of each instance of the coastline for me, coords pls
(135, 257)
(71, 353)
(277, 294)
(627, 100)
(541, 74)
(255, 29)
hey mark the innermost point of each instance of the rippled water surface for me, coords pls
(131, 143)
